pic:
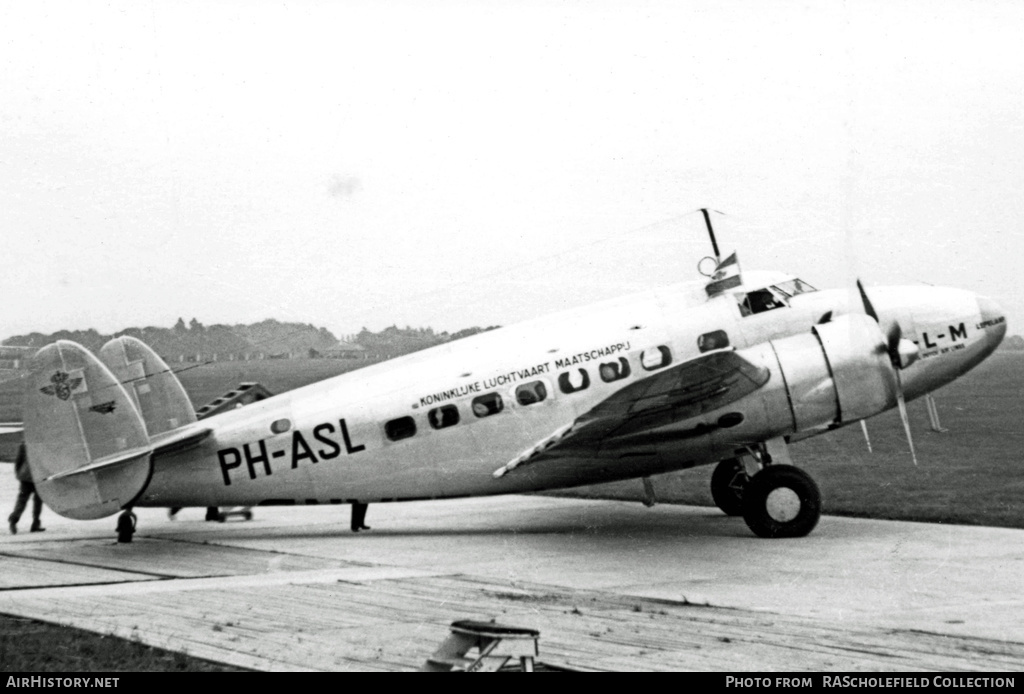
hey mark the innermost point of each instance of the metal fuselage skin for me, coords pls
(329, 443)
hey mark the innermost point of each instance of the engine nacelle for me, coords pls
(840, 372)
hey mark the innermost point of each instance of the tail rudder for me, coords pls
(154, 389)
(87, 444)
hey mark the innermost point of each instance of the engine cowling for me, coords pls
(840, 372)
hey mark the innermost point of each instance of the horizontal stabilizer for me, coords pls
(178, 441)
(87, 444)
(154, 389)
(112, 461)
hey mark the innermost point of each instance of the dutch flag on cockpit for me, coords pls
(726, 276)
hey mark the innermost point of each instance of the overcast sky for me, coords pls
(452, 164)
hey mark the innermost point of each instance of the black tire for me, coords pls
(781, 501)
(728, 482)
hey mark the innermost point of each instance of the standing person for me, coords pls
(359, 517)
(26, 489)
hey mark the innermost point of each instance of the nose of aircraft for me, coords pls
(993, 321)
(953, 329)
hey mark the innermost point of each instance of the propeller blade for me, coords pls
(933, 414)
(903, 415)
(894, 337)
(893, 348)
(868, 308)
(867, 439)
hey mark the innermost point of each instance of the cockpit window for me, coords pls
(761, 300)
(794, 287)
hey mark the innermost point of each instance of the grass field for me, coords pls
(971, 474)
(30, 646)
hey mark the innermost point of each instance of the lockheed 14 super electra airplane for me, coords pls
(731, 371)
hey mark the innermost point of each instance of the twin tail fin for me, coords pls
(92, 424)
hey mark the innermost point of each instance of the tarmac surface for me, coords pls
(610, 585)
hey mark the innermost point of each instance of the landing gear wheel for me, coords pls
(728, 481)
(781, 501)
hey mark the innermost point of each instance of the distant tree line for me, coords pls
(394, 341)
(267, 339)
(1014, 343)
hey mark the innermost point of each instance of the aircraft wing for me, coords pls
(630, 415)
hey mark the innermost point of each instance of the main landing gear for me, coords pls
(728, 481)
(779, 500)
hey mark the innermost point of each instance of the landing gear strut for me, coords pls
(781, 501)
(728, 481)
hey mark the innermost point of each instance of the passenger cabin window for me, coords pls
(531, 393)
(486, 405)
(655, 358)
(445, 416)
(614, 370)
(761, 300)
(570, 382)
(716, 339)
(401, 428)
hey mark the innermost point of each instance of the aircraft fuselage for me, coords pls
(439, 423)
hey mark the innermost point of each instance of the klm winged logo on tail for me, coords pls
(730, 372)
(61, 385)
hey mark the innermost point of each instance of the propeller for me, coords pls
(867, 439)
(902, 353)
